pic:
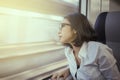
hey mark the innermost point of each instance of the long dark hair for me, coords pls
(85, 32)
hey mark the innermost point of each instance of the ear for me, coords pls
(74, 31)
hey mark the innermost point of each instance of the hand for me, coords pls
(64, 74)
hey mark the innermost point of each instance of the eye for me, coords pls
(64, 24)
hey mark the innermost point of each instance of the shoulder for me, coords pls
(98, 49)
(97, 46)
(93, 46)
(94, 43)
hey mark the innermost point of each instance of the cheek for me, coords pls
(66, 33)
(67, 37)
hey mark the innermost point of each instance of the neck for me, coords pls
(75, 49)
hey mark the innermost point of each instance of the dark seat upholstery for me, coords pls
(107, 27)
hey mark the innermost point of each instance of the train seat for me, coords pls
(107, 27)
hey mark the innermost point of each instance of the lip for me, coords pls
(60, 37)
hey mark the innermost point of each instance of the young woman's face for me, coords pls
(66, 33)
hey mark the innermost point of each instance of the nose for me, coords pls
(59, 34)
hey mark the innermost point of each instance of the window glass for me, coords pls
(27, 21)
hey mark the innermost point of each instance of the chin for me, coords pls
(63, 41)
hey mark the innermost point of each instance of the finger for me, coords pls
(58, 76)
(65, 76)
(54, 76)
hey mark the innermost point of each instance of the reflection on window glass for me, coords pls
(28, 23)
(25, 26)
(75, 2)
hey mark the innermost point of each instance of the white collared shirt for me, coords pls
(97, 62)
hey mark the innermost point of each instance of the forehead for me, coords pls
(65, 21)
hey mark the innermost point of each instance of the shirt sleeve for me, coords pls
(107, 64)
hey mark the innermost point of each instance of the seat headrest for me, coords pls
(100, 27)
(112, 27)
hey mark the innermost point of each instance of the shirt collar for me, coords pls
(83, 50)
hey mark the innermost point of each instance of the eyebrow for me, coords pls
(66, 23)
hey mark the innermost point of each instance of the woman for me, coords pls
(87, 59)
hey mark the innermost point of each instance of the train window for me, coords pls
(24, 26)
(33, 21)
(75, 2)
(84, 7)
(28, 35)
